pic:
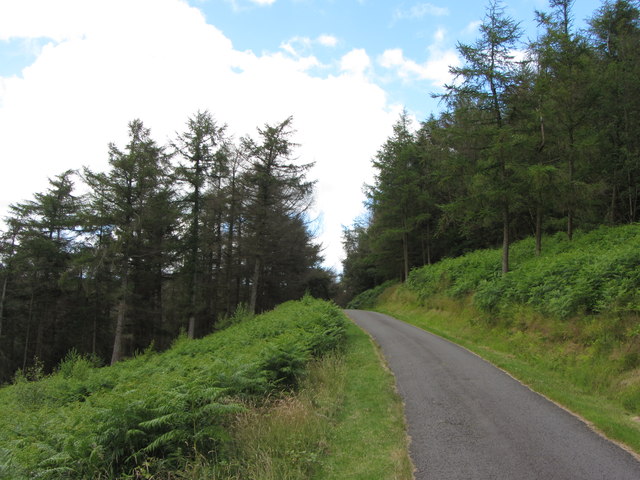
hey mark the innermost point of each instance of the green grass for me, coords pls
(156, 412)
(290, 394)
(596, 272)
(369, 439)
(589, 380)
(345, 423)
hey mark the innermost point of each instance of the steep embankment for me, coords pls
(567, 323)
(269, 397)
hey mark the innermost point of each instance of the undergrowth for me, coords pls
(596, 272)
(367, 299)
(159, 413)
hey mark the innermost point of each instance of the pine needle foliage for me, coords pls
(155, 412)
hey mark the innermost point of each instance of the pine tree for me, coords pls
(275, 188)
(133, 203)
(616, 39)
(203, 147)
(489, 74)
(392, 199)
(40, 256)
(563, 86)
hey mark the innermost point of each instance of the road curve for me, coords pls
(469, 420)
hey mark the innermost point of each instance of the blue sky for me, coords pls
(374, 25)
(74, 72)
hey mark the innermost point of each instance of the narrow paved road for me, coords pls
(469, 420)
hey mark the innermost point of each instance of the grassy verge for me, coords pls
(588, 383)
(345, 422)
(296, 393)
(369, 439)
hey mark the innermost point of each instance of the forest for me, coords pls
(537, 136)
(170, 238)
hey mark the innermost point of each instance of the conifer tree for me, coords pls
(481, 95)
(133, 203)
(275, 188)
(393, 197)
(615, 31)
(564, 88)
(203, 147)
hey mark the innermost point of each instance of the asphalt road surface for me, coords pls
(469, 420)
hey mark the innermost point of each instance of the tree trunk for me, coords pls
(612, 213)
(26, 341)
(571, 188)
(5, 283)
(219, 301)
(40, 333)
(238, 264)
(505, 239)
(254, 286)
(94, 333)
(2, 300)
(538, 230)
(405, 252)
(191, 331)
(117, 353)
(229, 261)
(428, 243)
(633, 197)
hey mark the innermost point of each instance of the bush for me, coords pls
(156, 411)
(367, 299)
(596, 272)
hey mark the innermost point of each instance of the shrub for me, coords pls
(154, 412)
(598, 271)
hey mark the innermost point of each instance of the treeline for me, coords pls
(535, 138)
(170, 238)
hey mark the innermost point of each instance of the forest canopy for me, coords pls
(537, 137)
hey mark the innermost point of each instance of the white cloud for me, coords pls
(420, 10)
(327, 40)
(40, 18)
(472, 27)
(355, 62)
(263, 2)
(103, 70)
(435, 69)
(298, 46)
(519, 55)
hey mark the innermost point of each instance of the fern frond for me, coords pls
(170, 437)
(160, 421)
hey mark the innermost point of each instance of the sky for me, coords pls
(73, 73)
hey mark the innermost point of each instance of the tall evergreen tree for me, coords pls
(275, 188)
(485, 80)
(615, 32)
(563, 86)
(203, 147)
(133, 202)
(42, 232)
(394, 197)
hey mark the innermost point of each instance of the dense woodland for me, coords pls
(170, 238)
(537, 136)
